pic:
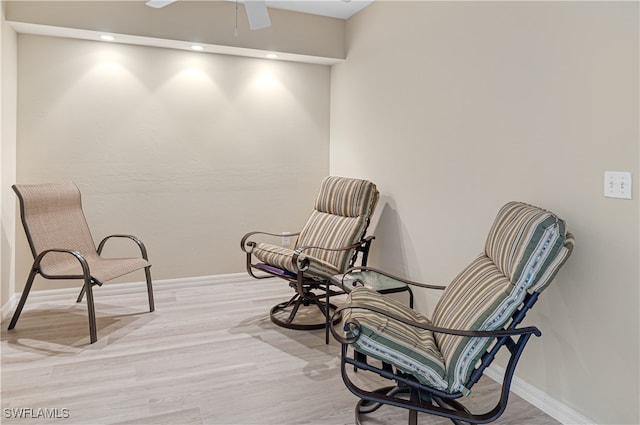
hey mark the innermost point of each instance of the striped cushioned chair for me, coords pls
(439, 360)
(327, 245)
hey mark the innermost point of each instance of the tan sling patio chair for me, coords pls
(63, 247)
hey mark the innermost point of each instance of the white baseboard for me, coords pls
(560, 412)
(9, 306)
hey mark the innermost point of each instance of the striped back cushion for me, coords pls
(342, 212)
(525, 243)
(524, 250)
(346, 197)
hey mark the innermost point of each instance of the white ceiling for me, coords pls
(342, 9)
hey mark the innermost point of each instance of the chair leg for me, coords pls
(90, 308)
(326, 315)
(147, 274)
(325, 308)
(93, 334)
(414, 396)
(81, 295)
(23, 299)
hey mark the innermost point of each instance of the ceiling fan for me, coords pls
(256, 11)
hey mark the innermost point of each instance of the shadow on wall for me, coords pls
(389, 247)
(393, 251)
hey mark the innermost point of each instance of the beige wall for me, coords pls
(8, 94)
(186, 150)
(454, 108)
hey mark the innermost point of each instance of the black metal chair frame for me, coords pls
(304, 284)
(422, 398)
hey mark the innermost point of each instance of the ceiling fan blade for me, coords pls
(158, 3)
(258, 14)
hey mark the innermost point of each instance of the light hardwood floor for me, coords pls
(208, 355)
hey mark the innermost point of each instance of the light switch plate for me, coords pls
(617, 184)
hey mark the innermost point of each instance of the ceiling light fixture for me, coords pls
(106, 37)
(157, 4)
(271, 56)
(197, 48)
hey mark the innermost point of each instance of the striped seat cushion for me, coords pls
(340, 218)
(525, 248)
(282, 258)
(410, 349)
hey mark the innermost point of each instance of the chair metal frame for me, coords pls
(303, 283)
(88, 280)
(410, 394)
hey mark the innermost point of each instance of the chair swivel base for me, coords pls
(366, 406)
(279, 316)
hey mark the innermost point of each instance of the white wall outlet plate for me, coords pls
(617, 184)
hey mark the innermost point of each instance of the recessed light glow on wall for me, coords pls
(107, 37)
(265, 80)
(271, 56)
(197, 48)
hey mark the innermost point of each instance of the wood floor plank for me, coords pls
(208, 355)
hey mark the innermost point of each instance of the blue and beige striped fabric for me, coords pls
(410, 349)
(525, 248)
(340, 217)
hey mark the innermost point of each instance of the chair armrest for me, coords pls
(143, 249)
(368, 238)
(408, 282)
(247, 245)
(83, 262)
(353, 324)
